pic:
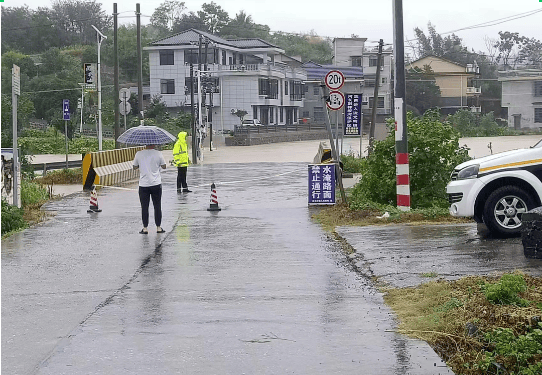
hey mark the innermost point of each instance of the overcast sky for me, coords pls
(371, 19)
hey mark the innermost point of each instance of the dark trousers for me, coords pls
(181, 178)
(145, 195)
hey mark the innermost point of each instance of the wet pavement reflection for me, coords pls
(255, 288)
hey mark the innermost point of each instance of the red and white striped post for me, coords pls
(401, 142)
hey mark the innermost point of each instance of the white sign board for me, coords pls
(335, 101)
(124, 94)
(125, 108)
(334, 80)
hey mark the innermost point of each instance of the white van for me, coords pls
(498, 189)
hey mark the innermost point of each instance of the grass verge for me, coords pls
(462, 320)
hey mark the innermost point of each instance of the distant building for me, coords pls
(351, 52)
(314, 108)
(522, 97)
(242, 74)
(456, 83)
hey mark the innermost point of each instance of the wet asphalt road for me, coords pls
(256, 288)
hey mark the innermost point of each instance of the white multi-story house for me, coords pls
(522, 97)
(243, 74)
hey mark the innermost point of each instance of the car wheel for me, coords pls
(503, 210)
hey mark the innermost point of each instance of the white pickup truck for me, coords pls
(498, 189)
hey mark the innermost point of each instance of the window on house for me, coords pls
(230, 60)
(380, 103)
(319, 114)
(167, 86)
(316, 90)
(537, 88)
(373, 61)
(306, 114)
(191, 56)
(241, 59)
(296, 90)
(356, 61)
(538, 115)
(223, 57)
(384, 80)
(281, 114)
(286, 87)
(268, 87)
(167, 57)
(254, 112)
(370, 82)
(271, 115)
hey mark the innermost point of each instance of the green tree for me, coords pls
(515, 50)
(243, 26)
(166, 14)
(60, 74)
(422, 91)
(73, 20)
(433, 148)
(190, 21)
(214, 17)
(25, 109)
(309, 46)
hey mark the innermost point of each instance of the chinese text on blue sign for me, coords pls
(66, 109)
(321, 184)
(352, 114)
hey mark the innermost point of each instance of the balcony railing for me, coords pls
(474, 90)
(476, 109)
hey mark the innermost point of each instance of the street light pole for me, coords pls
(100, 39)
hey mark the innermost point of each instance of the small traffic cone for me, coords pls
(214, 201)
(93, 201)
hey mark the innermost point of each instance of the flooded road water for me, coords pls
(255, 288)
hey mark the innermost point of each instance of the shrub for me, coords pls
(12, 218)
(32, 193)
(434, 151)
(470, 124)
(351, 163)
(505, 292)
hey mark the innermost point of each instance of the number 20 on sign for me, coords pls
(334, 80)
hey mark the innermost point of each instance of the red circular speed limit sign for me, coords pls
(335, 100)
(334, 80)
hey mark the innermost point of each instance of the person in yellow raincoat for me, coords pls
(180, 159)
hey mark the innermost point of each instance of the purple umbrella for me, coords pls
(146, 135)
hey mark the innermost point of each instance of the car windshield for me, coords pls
(538, 144)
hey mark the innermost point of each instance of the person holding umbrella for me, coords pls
(149, 161)
(180, 159)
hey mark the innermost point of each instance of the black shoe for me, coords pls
(187, 191)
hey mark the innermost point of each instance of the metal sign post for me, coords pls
(15, 92)
(66, 116)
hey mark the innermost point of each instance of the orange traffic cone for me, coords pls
(93, 201)
(214, 200)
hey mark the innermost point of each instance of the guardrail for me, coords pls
(239, 129)
(56, 165)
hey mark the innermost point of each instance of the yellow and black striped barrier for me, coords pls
(108, 168)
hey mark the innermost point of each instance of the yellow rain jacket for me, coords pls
(180, 151)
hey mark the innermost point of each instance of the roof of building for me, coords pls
(435, 57)
(317, 71)
(192, 36)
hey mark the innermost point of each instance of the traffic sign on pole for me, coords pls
(66, 109)
(124, 94)
(334, 80)
(335, 100)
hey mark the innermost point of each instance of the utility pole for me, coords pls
(139, 67)
(192, 112)
(401, 126)
(100, 39)
(116, 74)
(334, 151)
(375, 97)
